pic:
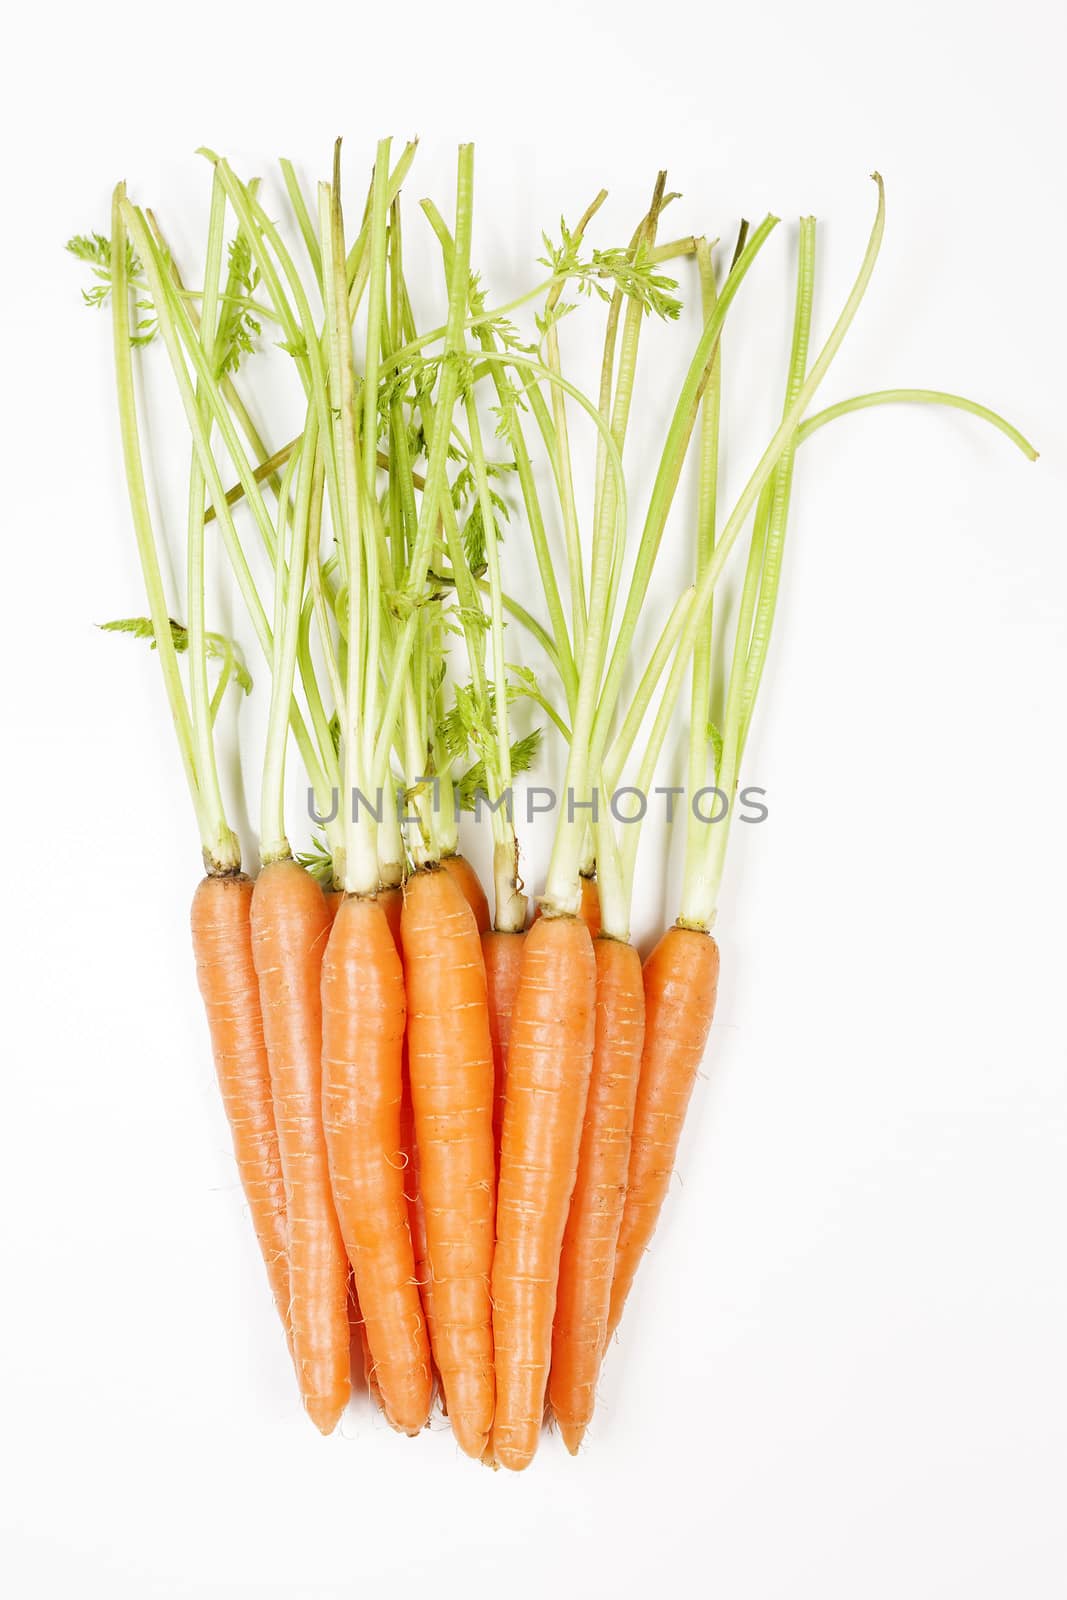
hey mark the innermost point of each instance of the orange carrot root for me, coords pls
(590, 912)
(587, 1259)
(460, 869)
(681, 978)
(549, 1064)
(290, 924)
(363, 1032)
(450, 1059)
(417, 1211)
(502, 953)
(222, 944)
(392, 903)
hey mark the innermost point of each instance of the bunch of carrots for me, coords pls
(455, 1126)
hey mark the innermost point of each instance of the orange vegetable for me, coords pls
(681, 978)
(392, 903)
(363, 1033)
(222, 944)
(549, 1063)
(502, 953)
(590, 907)
(417, 1211)
(290, 924)
(459, 868)
(587, 1259)
(450, 1060)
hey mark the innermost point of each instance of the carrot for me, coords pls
(587, 1259)
(549, 1063)
(363, 1031)
(361, 1358)
(417, 1211)
(221, 905)
(450, 1057)
(589, 910)
(222, 944)
(502, 954)
(290, 924)
(392, 903)
(680, 979)
(459, 868)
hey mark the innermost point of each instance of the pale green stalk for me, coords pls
(757, 604)
(524, 469)
(625, 739)
(359, 867)
(200, 700)
(565, 473)
(303, 218)
(707, 505)
(781, 486)
(510, 904)
(921, 397)
(175, 331)
(698, 909)
(598, 693)
(215, 835)
(667, 476)
(647, 771)
(376, 554)
(436, 489)
(289, 589)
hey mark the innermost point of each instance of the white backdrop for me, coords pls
(842, 1372)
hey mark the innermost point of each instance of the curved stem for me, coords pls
(918, 397)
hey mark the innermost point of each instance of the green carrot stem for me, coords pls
(698, 908)
(667, 476)
(359, 866)
(707, 506)
(303, 218)
(510, 904)
(176, 331)
(630, 727)
(760, 587)
(920, 397)
(290, 587)
(213, 830)
(201, 703)
(436, 491)
(565, 478)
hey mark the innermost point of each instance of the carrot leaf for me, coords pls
(219, 647)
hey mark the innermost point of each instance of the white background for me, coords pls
(842, 1373)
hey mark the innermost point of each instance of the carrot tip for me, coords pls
(572, 1434)
(325, 1414)
(411, 1425)
(472, 1441)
